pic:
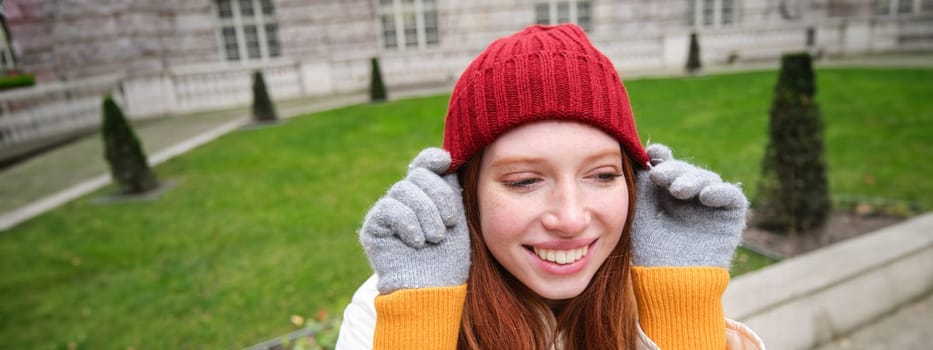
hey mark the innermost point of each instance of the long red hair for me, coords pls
(502, 313)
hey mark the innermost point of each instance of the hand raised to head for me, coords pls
(685, 215)
(416, 235)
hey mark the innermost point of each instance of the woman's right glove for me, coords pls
(416, 235)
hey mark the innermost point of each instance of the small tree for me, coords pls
(377, 89)
(793, 193)
(124, 154)
(263, 109)
(693, 56)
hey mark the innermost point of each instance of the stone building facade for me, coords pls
(71, 39)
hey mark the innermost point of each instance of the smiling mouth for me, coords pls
(561, 257)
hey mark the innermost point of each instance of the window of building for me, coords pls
(408, 24)
(248, 30)
(713, 13)
(556, 12)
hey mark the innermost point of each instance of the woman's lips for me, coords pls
(562, 261)
(561, 257)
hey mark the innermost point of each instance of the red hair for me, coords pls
(502, 313)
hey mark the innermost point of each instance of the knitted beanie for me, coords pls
(540, 73)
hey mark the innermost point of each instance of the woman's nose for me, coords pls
(567, 213)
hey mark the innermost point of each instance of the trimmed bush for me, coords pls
(377, 89)
(693, 56)
(793, 193)
(124, 153)
(16, 81)
(263, 108)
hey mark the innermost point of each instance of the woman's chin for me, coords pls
(560, 291)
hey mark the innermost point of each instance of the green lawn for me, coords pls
(879, 126)
(261, 223)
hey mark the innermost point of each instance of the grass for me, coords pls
(261, 224)
(878, 126)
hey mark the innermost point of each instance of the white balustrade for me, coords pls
(52, 110)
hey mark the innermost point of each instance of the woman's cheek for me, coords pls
(501, 217)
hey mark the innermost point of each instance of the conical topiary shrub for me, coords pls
(377, 89)
(693, 56)
(124, 154)
(263, 108)
(793, 192)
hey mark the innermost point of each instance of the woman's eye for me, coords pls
(521, 183)
(607, 177)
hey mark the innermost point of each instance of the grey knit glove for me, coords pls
(416, 235)
(685, 215)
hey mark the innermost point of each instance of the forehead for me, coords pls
(552, 133)
(550, 139)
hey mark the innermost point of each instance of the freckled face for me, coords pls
(552, 204)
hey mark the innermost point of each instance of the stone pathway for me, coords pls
(908, 328)
(53, 178)
(83, 159)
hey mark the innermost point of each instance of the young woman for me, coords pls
(566, 234)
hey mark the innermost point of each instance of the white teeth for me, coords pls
(561, 256)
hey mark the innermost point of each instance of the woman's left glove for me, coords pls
(416, 235)
(685, 215)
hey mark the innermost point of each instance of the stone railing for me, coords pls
(835, 37)
(199, 88)
(915, 35)
(31, 116)
(52, 111)
(40, 115)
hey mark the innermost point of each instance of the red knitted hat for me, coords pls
(540, 73)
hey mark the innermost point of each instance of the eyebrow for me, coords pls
(607, 153)
(613, 153)
(515, 160)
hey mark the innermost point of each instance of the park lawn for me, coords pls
(261, 223)
(878, 127)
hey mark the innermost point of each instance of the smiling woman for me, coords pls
(567, 232)
(551, 204)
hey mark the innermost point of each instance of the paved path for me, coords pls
(83, 159)
(908, 328)
(53, 178)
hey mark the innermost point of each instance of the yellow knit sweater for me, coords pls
(678, 308)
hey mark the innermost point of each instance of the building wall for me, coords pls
(64, 40)
(191, 35)
(80, 38)
(70, 39)
(32, 41)
(327, 29)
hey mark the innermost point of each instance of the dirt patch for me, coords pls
(839, 227)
